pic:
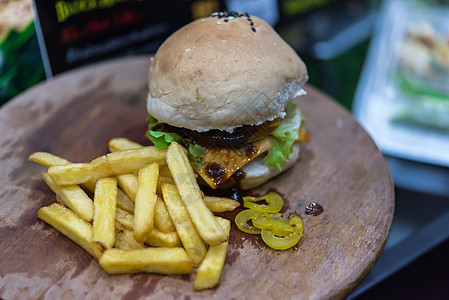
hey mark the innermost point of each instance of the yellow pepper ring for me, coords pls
(265, 221)
(274, 201)
(276, 232)
(241, 220)
(277, 225)
(280, 243)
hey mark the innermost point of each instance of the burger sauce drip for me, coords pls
(236, 194)
(237, 139)
(216, 172)
(232, 193)
(314, 209)
(239, 175)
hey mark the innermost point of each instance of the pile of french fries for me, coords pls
(148, 213)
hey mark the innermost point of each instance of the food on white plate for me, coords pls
(223, 87)
(424, 51)
(423, 76)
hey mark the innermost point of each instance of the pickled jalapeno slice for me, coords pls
(280, 242)
(266, 220)
(244, 217)
(274, 201)
(277, 225)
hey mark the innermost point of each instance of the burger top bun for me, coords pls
(222, 72)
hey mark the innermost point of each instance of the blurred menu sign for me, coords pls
(76, 32)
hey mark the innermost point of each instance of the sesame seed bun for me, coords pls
(222, 73)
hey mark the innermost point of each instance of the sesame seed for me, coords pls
(226, 16)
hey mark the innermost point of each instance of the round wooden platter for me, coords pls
(74, 116)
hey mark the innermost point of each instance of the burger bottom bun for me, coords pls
(257, 173)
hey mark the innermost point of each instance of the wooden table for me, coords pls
(75, 114)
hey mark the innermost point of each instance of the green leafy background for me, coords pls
(20, 63)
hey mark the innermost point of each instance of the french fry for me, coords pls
(69, 224)
(126, 181)
(190, 238)
(105, 201)
(191, 195)
(151, 260)
(75, 173)
(123, 201)
(47, 159)
(59, 200)
(125, 218)
(225, 224)
(162, 220)
(73, 197)
(129, 184)
(220, 204)
(124, 238)
(90, 185)
(120, 144)
(208, 273)
(116, 163)
(127, 212)
(145, 201)
(160, 181)
(129, 161)
(155, 237)
(164, 171)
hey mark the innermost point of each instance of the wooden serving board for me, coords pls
(75, 114)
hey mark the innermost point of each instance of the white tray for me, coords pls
(378, 100)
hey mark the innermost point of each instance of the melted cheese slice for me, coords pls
(219, 164)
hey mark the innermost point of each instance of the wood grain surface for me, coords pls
(74, 116)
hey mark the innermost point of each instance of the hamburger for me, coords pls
(223, 87)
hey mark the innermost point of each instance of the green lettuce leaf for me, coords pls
(163, 139)
(196, 154)
(159, 138)
(154, 124)
(283, 137)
